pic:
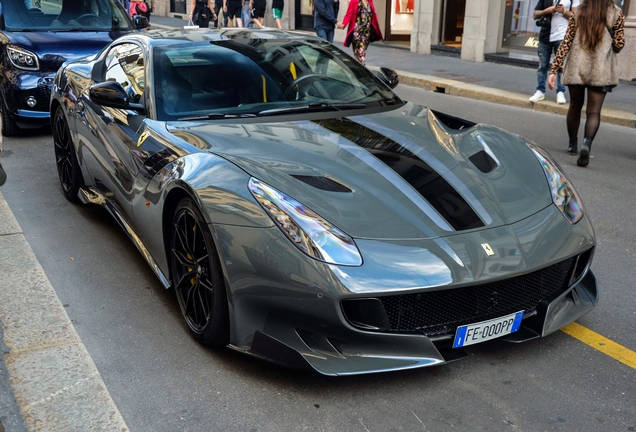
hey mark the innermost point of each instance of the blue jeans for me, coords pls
(545, 50)
(245, 14)
(324, 33)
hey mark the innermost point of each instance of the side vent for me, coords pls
(483, 161)
(582, 264)
(322, 183)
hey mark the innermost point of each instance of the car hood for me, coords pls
(54, 48)
(402, 174)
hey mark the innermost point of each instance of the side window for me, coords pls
(125, 64)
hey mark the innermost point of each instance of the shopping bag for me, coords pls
(190, 25)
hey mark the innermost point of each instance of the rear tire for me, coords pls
(68, 169)
(197, 276)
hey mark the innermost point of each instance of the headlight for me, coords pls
(564, 195)
(308, 231)
(23, 59)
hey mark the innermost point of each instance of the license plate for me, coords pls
(482, 331)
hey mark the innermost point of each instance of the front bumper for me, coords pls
(287, 308)
(306, 344)
(24, 86)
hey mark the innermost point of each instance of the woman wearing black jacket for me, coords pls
(202, 12)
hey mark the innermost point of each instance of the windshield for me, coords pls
(261, 77)
(64, 15)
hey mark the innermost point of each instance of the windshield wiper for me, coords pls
(316, 106)
(212, 116)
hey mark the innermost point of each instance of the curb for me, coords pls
(55, 382)
(504, 97)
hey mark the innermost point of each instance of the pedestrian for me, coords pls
(218, 8)
(150, 9)
(325, 18)
(202, 13)
(362, 27)
(139, 7)
(552, 16)
(245, 13)
(277, 11)
(595, 34)
(233, 9)
(257, 10)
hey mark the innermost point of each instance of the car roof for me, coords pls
(170, 36)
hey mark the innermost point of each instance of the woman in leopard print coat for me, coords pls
(595, 34)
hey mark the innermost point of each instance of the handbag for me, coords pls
(545, 20)
(191, 25)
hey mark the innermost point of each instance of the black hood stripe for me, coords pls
(435, 189)
(391, 176)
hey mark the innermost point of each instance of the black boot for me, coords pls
(584, 157)
(573, 148)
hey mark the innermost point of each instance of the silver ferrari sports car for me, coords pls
(306, 215)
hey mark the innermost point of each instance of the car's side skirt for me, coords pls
(91, 195)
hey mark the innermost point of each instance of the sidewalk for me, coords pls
(493, 82)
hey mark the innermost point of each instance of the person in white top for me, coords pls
(555, 14)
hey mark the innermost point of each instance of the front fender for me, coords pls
(218, 187)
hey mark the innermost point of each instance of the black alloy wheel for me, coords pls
(197, 276)
(68, 169)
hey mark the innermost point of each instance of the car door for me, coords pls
(111, 134)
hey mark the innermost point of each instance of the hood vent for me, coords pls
(452, 121)
(322, 183)
(448, 202)
(483, 161)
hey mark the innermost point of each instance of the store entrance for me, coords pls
(399, 20)
(178, 6)
(452, 28)
(304, 19)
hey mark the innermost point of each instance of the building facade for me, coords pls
(471, 28)
(503, 27)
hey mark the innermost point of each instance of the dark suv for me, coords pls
(37, 36)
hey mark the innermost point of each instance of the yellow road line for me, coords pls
(602, 344)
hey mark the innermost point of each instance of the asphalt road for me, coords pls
(161, 380)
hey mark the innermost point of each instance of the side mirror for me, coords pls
(388, 76)
(112, 94)
(140, 22)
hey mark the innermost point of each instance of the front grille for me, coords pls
(45, 91)
(441, 312)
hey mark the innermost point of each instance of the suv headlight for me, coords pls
(308, 231)
(23, 59)
(564, 195)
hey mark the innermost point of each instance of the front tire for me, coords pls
(197, 276)
(68, 169)
(9, 126)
